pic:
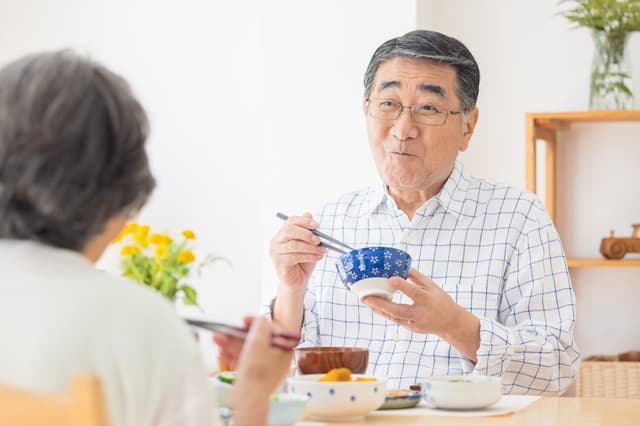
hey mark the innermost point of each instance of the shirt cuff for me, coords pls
(495, 350)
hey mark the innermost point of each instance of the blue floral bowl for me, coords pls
(366, 271)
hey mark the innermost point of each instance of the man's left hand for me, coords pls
(433, 311)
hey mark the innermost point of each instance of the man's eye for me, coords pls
(427, 109)
(386, 104)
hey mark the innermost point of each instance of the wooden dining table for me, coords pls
(546, 411)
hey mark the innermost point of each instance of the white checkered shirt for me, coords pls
(493, 248)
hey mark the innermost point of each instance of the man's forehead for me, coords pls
(433, 88)
(417, 73)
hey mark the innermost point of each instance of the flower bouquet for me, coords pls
(160, 261)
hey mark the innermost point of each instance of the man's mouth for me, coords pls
(403, 154)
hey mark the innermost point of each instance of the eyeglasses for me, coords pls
(426, 113)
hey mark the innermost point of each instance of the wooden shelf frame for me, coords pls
(590, 263)
(545, 126)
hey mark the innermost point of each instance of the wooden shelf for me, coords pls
(548, 119)
(601, 263)
(544, 126)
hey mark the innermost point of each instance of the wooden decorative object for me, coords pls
(616, 248)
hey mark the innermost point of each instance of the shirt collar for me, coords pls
(376, 199)
(451, 197)
(453, 193)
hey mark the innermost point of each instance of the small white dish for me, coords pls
(401, 399)
(462, 392)
(286, 408)
(223, 389)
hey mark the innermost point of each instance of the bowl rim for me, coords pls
(378, 247)
(289, 397)
(330, 349)
(412, 394)
(312, 379)
(473, 380)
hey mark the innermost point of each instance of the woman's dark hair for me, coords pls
(72, 150)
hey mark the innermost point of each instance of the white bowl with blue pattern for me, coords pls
(338, 401)
(366, 271)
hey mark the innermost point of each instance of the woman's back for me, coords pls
(59, 316)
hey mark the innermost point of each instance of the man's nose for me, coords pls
(405, 127)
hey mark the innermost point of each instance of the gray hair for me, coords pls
(435, 47)
(72, 153)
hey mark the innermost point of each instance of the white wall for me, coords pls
(314, 144)
(530, 60)
(254, 108)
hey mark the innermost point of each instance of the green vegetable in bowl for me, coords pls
(275, 397)
(227, 378)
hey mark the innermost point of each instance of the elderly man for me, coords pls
(490, 293)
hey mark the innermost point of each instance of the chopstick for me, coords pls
(283, 341)
(325, 236)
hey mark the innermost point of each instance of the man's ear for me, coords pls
(469, 128)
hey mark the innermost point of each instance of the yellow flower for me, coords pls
(157, 239)
(141, 235)
(129, 250)
(188, 234)
(142, 240)
(161, 252)
(130, 228)
(186, 256)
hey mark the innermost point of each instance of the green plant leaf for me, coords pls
(190, 295)
(611, 16)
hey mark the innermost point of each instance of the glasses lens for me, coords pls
(426, 113)
(429, 114)
(384, 109)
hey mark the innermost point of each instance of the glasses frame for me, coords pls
(413, 109)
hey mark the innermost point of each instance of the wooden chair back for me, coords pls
(84, 405)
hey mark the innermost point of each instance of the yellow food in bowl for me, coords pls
(337, 375)
(343, 375)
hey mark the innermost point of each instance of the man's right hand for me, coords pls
(295, 250)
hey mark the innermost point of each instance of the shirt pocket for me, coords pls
(476, 286)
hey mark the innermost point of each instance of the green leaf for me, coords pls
(190, 295)
(168, 287)
(612, 16)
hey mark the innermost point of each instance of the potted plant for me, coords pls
(160, 261)
(610, 22)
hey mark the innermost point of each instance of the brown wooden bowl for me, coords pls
(321, 359)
